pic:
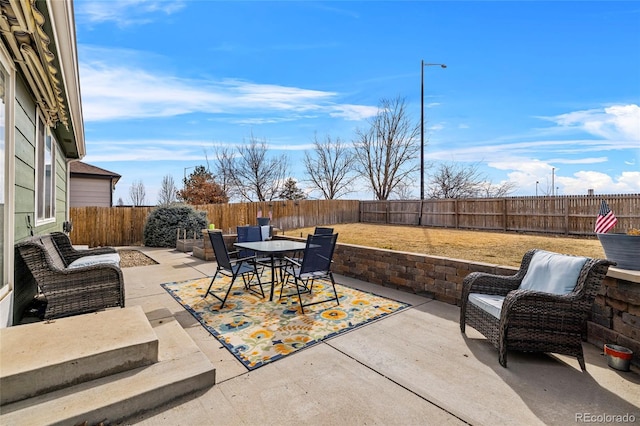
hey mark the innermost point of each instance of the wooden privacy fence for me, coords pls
(569, 215)
(122, 226)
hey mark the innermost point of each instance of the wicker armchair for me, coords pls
(70, 291)
(69, 254)
(531, 320)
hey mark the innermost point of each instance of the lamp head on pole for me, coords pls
(434, 65)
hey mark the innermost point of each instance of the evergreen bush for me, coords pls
(162, 225)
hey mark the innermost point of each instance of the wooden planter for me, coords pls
(623, 249)
(188, 244)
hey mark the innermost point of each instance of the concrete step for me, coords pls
(181, 369)
(42, 357)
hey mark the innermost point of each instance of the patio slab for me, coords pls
(412, 367)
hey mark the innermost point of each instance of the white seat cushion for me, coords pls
(264, 230)
(552, 272)
(108, 258)
(489, 303)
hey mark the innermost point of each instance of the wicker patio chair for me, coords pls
(70, 291)
(69, 253)
(530, 320)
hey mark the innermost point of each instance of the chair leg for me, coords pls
(255, 273)
(502, 357)
(227, 294)
(463, 317)
(214, 295)
(247, 281)
(581, 362)
(299, 296)
(333, 283)
(210, 284)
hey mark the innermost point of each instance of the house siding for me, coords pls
(25, 116)
(25, 119)
(90, 192)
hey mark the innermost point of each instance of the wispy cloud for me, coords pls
(613, 122)
(115, 91)
(613, 128)
(592, 160)
(125, 12)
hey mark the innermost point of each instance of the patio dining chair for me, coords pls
(542, 308)
(247, 234)
(243, 267)
(315, 264)
(322, 230)
(319, 230)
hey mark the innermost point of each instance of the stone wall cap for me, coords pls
(624, 274)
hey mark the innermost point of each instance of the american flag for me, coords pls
(606, 219)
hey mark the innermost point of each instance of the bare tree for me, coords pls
(255, 176)
(455, 180)
(167, 193)
(137, 193)
(385, 152)
(331, 168)
(403, 191)
(492, 190)
(223, 170)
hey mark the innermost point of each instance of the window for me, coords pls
(6, 177)
(45, 173)
(3, 124)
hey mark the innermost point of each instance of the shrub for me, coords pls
(163, 223)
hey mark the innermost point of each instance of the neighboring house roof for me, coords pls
(79, 168)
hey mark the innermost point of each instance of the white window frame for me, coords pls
(6, 285)
(45, 189)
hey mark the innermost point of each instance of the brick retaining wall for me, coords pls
(431, 276)
(616, 311)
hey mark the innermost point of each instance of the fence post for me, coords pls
(504, 214)
(566, 215)
(456, 219)
(386, 212)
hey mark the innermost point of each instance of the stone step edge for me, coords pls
(122, 395)
(43, 357)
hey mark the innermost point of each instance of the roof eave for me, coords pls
(63, 25)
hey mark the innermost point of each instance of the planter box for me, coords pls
(188, 244)
(623, 249)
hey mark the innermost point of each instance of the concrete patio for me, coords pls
(413, 367)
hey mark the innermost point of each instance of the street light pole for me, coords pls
(187, 168)
(422, 65)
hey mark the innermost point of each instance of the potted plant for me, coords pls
(624, 249)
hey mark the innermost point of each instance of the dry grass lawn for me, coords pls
(490, 247)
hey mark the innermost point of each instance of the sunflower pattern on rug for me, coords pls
(257, 331)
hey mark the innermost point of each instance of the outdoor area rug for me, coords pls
(257, 331)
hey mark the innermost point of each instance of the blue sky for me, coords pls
(531, 89)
